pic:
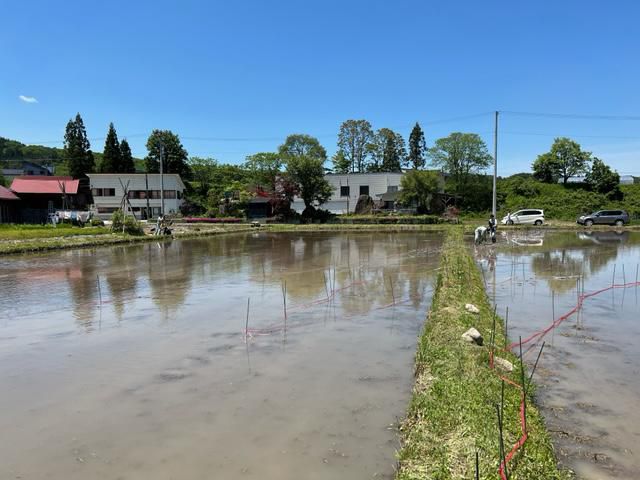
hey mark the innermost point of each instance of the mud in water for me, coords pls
(131, 363)
(588, 374)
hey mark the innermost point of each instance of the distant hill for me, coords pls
(46, 156)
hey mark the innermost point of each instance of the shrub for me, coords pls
(96, 222)
(131, 225)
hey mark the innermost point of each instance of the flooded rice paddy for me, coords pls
(589, 370)
(131, 362)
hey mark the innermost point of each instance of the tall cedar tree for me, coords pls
(111, 157)
(77, 149)
(388, 152)
(175, 156)
(126, 159)
(417, 148)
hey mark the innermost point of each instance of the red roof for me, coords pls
(6, 194)
(44, 184)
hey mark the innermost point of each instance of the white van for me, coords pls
(524, 217)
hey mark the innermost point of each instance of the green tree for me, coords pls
(388, 152)
(298, 145)
(203, 174)
(460, 155)
(174, 155)
(307, 173)
(546, 168)
(3, 181)
(126, 159)
(77, 149)
(353, 139)
(264, 169)
(601, 178)
(418, 188)
(111, 157)
(565, 159)
(340, 163)
(417, 148)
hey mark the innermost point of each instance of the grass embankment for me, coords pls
(25, 232)
(452, 413)
(26, 244)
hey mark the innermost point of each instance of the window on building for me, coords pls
(96, 192)
(108, 192)
(172, 194)
(179, 193)
(392, 188)
(344, 191)
(364, 189)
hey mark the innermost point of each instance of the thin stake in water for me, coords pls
(284, 303)
(524, 391)
(393, 297)
(613, 279)
(535, 365)
(624, 277)
(99, 290)
(246, 323)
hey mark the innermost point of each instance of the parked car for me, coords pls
(605, 217)
(525, 217)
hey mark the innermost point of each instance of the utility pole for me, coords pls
(162, 180)
(146, 184)
(495, 165)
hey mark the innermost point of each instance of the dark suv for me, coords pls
(605, 217)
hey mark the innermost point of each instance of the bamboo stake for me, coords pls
(284, 304)
(506, 328)
(613, 280)
(624, 277)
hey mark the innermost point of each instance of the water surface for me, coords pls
(131, 363)
(588, 373)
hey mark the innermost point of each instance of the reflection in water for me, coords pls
(587, 374)
(167, 387)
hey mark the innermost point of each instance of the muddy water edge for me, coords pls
(131, 363)
(587, 376)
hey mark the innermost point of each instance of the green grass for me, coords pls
(452, 411)
(25, 232)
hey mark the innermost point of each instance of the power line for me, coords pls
(542, 134)
(572, 115)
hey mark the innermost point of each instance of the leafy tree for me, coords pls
(340, 163)
(417, 148)
(174, 155)
(353, 139)
(601, 178)
(77, 149)
(203, 172)
(545, 168)
(298, 145)
(307, 173)
(111, 157)
(264, 169)
(126, 159)
(418, 187)
(3, 181)
(460, 155)
(565, 160)
(387, 150)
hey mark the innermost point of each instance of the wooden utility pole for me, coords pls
(495, 165)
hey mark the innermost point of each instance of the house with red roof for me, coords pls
(42, 195)
(9, 203)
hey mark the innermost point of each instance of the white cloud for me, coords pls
(26, 99)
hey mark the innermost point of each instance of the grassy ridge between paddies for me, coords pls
(30, 244)
(452, 414)
(24, 232)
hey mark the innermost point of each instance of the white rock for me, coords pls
(473, 336)
(503, 364)
(470, 307)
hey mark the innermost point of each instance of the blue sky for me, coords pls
(234, 78)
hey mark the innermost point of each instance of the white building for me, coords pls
(347, 187)
(143, 193)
